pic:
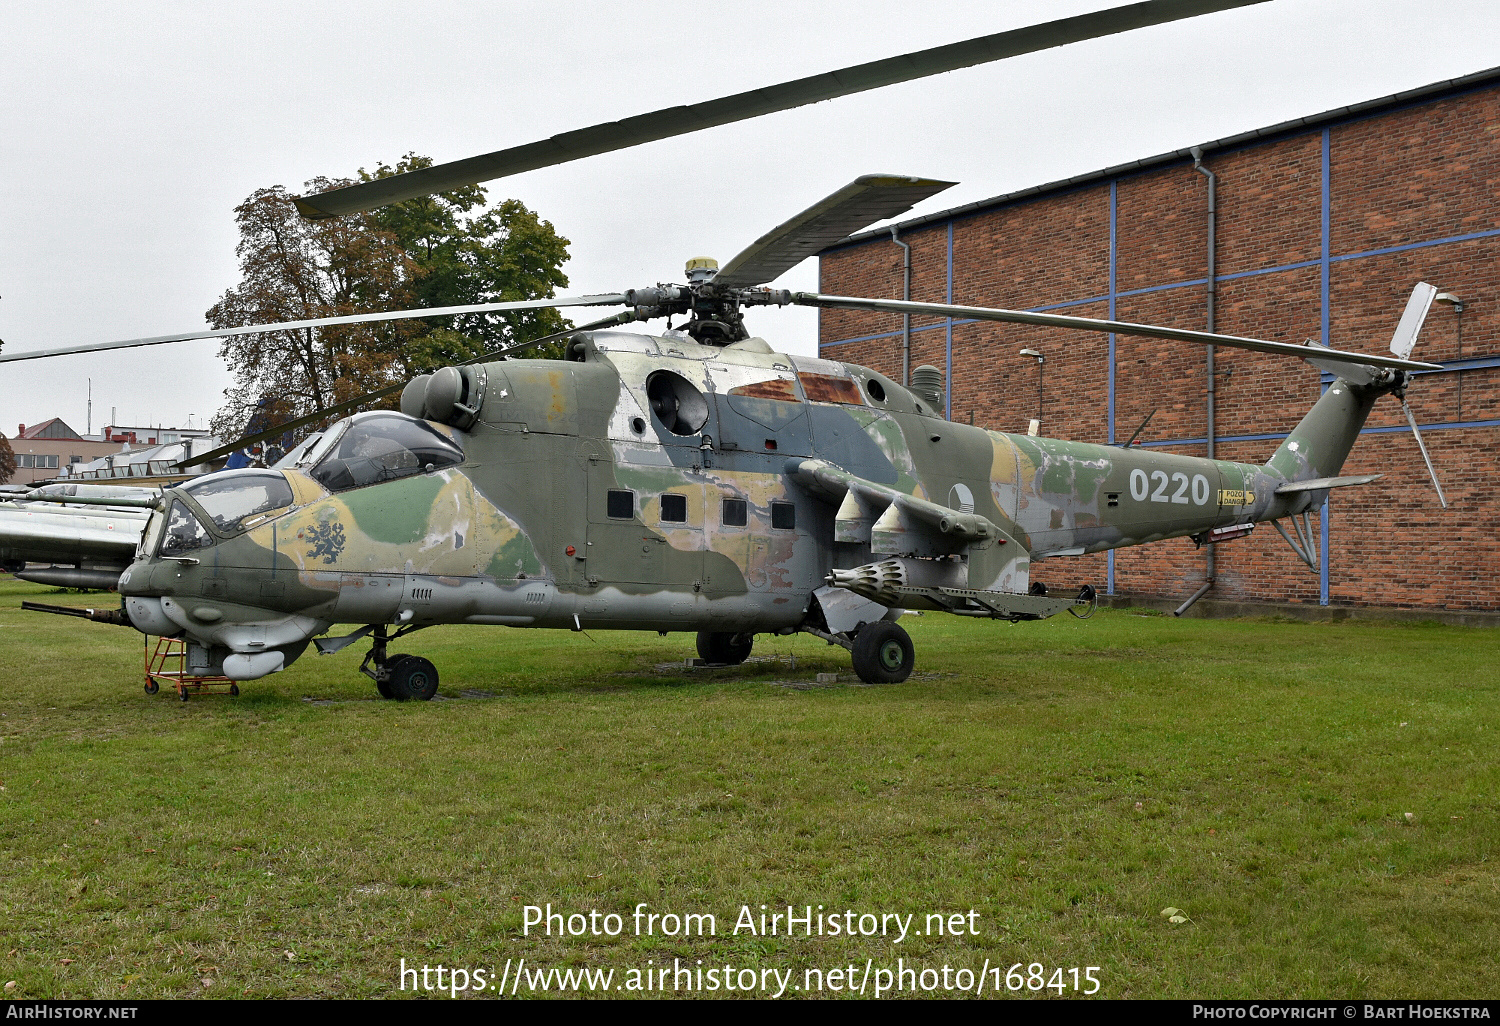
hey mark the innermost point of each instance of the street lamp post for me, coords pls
(1036, 423)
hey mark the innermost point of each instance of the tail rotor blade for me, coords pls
(1411, 320)
(1417, 434)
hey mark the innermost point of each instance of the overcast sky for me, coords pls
(131, 131)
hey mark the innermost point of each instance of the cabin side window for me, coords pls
(620, 504)
(783, 516)
(735, 513)
(229, 498)
(674, 509)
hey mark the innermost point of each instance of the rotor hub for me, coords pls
(701, 269)
(713, 311)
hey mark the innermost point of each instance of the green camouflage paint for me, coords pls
(733, 470)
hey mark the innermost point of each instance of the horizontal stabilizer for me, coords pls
(1318, 484)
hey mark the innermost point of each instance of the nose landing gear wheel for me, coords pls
(883, 653)
(413, 678)
(723, 647)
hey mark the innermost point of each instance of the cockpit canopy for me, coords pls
(362, 450)
(373, 447)
(233, 501)
(233, 496)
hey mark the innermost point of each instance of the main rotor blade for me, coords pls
(370, 397)
(673, 121)
(984, 313)
(861, 203)
(316, 322)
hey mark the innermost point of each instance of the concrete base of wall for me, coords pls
(1215, 608)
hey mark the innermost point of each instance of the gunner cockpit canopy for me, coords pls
(373, 447)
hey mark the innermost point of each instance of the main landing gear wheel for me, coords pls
(384, 686)
(883, 653)
(722, 647)
(412, 678)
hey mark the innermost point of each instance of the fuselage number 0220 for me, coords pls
(1168, 488)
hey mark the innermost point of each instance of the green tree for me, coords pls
(445, 250)
(7, 460)
(464, 255)
(295, 269)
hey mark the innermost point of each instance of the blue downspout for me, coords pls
(1109, 586)
(1325, 261)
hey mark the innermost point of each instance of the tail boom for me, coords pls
(1320, 443)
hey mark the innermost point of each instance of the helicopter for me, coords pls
(695, 480)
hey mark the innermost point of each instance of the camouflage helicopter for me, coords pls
(695, 480)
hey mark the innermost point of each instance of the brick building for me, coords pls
(1324, 225)
(45, 450)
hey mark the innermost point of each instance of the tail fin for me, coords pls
(1318, 446)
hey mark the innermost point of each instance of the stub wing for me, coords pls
(891, 521)
(916, 537)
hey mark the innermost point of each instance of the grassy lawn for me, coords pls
(1065, 780)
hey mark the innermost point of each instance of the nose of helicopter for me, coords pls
(193, 572)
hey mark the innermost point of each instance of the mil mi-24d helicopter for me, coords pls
(692, 481)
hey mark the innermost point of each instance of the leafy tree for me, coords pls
(294, 269)
(462, 258)
(7, 460)
(444, 250)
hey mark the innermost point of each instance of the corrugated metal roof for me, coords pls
(1286, 128)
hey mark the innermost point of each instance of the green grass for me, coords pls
(1066, 780)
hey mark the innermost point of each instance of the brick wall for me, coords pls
(1419, 174)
